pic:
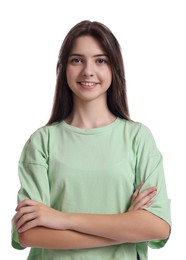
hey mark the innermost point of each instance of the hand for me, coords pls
(31, 213)
(142, 200)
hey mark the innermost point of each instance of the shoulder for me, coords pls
(40, 138)
(136, 129)
(139, 134)
(44, 132)
(36, 147)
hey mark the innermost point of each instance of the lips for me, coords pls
(87, 84)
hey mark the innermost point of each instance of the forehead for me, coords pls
(87, 45)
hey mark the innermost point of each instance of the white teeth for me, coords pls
(88, 83)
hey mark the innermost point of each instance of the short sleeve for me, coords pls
(33, 174)
(149, 169)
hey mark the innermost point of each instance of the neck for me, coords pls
(90, 115)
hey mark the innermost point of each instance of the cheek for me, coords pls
(69, 75)
(105, 73)
(68, 72)
(108, 77)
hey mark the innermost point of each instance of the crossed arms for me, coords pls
(40, 226)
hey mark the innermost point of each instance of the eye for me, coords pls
(76, 60)
(101, 61)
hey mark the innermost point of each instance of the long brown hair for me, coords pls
(116, 94)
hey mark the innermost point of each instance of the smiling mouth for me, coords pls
(88, 84)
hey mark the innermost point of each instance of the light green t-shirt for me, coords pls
(92, 171)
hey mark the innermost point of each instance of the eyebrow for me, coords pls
(81, 55)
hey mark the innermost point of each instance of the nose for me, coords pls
(87, 70)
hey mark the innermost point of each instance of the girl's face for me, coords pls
(88, 71)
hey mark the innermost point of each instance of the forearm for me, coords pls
(41, 237)
(130, 227)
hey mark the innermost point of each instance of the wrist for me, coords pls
(67, 221)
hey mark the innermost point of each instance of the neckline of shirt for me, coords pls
(91, 131)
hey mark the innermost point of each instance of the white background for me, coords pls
(152, 37)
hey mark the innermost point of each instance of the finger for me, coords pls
(24, 219)
(26, 202)
(23, 211)
(137, 191)
(147, 205)
(145, 193)
(140, 186)
(145, 200)
(28, 225)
